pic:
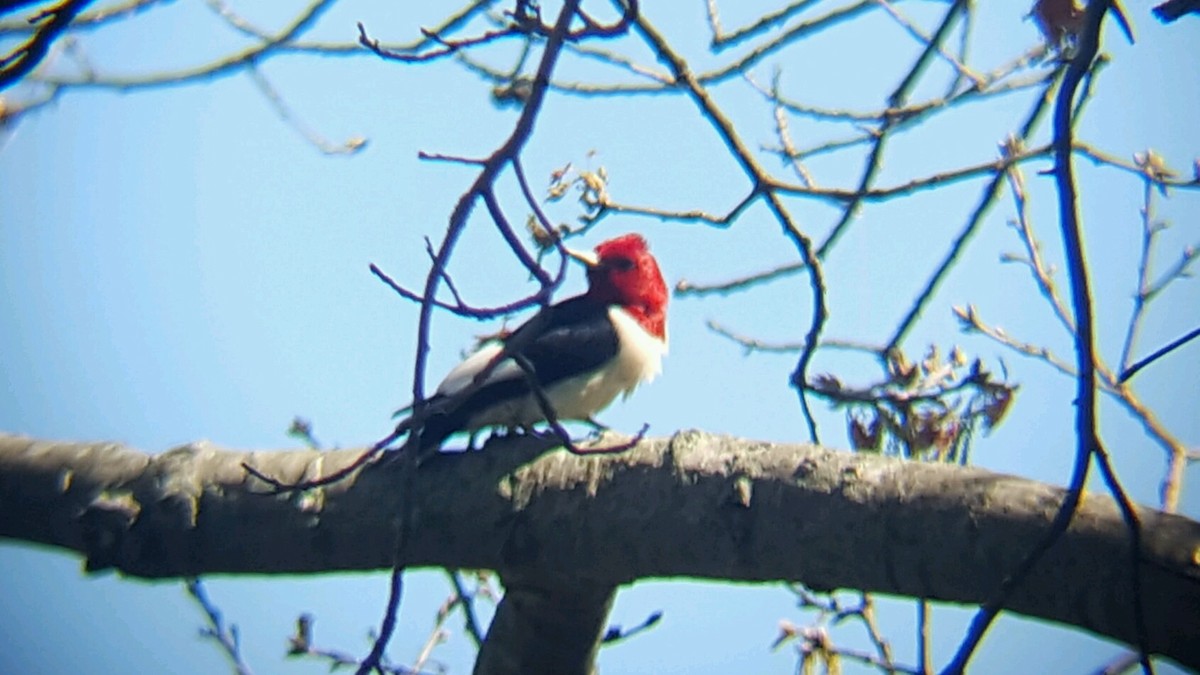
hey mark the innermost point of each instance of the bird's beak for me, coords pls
(588, 258)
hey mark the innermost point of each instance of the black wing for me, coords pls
(577, 337)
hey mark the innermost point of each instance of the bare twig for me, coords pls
(279, 487)
(759, 178)
(924, 653)
(815, 640)
(227, 65)
(374, 658)
(227, 637)
(459, 308)
(1177, 453)
(882, 648)
(87, 20)
(898, 98)
(301, 644)
(616, 634)
(348, 147)
(1088, 442)
(756, 345)
(921, 37)
(24, 58)
(1159, 353)
(987, 198)
(446, 47)
(481, 188)
(685, 288)
(1150, 229)
(722, 40)
(466, 601)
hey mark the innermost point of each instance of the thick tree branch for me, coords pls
(546, 626)
(694, 505)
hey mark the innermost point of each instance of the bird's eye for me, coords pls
(621, 264)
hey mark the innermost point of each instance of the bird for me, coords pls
(583, 352)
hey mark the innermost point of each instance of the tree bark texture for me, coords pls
(542, 627)
(694, 505)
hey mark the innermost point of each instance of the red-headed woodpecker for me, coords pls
(586, 350)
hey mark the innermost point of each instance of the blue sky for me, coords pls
(179, 264)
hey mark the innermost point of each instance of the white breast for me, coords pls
(638, 359)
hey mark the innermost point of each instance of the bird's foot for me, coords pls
(598, 428)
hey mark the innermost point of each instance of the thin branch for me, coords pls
(1177, 453)
(535, 206)
(815, 640)
(1087, 441)
(756, 345)
(88, 20)
(882, 648)
(374, 659)
(722, 40)
(510, 237)
(814, 25)
(964, 43)
(236, 21)
(1135, 552)
(490, 169)
(1173, 9)
(1177, 271)
(281, 487)
(684, 288)
(897, 98)
(924, 653)
(1159, 353)
(784, 134)
(691, 216)
(912, 29)
(593, 28)
(221, 67)
(1149, 230)
(728, 71)
(817, 643)
(447, 47)
(446, 278)
(454, 159)
(227, 637)
(624, 63)
(760, 181)
(348, 147)
(998, 82)
(467, 602)
(616, 634)
(459, 308)
(1042, 273)
(24, 58)
(1161, 181)
(851, 198)
(986, 199)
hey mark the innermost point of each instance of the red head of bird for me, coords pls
(623, 272)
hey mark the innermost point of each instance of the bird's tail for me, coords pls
(437, 422)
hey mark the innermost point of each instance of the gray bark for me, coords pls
(545, 626)
(694, 505)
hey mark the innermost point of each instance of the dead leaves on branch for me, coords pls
(928, 410)
(1061, 21)
(592, 186)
